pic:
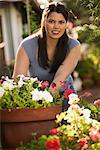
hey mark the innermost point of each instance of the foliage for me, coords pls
(94, 9)
(96, 75)
(87, 14)
(78, 15)
(26, 92)
(89, 65)
(35, 144)
(90, 34)
(94, 54)
(34, 21)
(78, 129)
(85, 67)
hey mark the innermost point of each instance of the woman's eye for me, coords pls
(61, 22)
(51, 21)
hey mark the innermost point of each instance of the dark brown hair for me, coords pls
(62, 46)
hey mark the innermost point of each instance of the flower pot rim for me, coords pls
(30, 114)
(27, 108)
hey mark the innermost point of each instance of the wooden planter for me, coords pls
(18, 125)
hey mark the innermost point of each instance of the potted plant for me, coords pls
(85, 69)
(26, 106)
(79, 129)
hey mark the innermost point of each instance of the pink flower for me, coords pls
(86, 94)
(76, 107)
(97, 102)
(53, 85)
(63, 84)
(44, 84)
(94, 134)
(68, 92)
(83, 143)
(53, 144)
(1, 81)
(53, 131)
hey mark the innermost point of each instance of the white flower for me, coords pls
(36, 94)
(8, 85)
(1, 91)
(20, 82)
(73, 99)
(87, 113)
(95, 124)
(91, 26)
(39, 95)
(34, 79)
(47, 96)
(26, 78)
(75, 107)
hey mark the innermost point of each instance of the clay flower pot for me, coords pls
(18, 125)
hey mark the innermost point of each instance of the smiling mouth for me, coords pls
(55, 32)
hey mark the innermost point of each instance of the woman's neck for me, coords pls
(51, 45)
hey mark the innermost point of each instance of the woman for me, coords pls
(50, 54)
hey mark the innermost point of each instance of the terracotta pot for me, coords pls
(18, 125)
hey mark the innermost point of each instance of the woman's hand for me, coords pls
(54, 89)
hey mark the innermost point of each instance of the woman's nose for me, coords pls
(56, 25)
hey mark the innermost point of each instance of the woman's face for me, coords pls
(55, 25)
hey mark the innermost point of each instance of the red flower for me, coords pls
(44, 84)
(68, 92)
(53, 144)
(2, 80)
(53, 131)
(97, 102)
(53, 85)
(83, 143)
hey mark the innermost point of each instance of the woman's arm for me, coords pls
(21, 63)
(68, 65)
